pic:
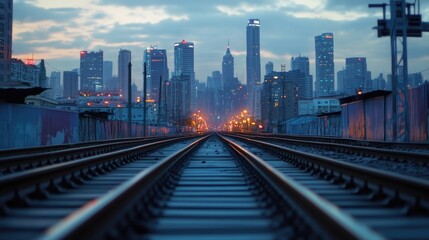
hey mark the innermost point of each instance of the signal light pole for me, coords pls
(405, 21)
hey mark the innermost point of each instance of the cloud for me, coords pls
(49, 53)
(329, 15)
(242, 9)
(309, 9)
(104, 44)
(62, 28)
(49, 4)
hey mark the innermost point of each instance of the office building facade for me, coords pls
(253, 60)
(124, 59)
(109, 85)
(303, 65)
(70, 83)
(6, 18)
(91, 72)
(355, 78)
(227, 70)
(184, 70)
(156, 71)
(324, 44)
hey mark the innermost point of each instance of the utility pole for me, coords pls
(144, 100)
(159, 101)
(405, 21)
(130, 104)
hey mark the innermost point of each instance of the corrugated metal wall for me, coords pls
(371, 119)
(313, 125)
(26, 126)
(30, 126)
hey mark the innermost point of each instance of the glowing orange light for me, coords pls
(29, 61)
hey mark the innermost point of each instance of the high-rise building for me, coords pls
(415, 79)
(70, 83)
(109, 86)
(269, 68)
(355, 76)
(124, 59)
(324, 64)
(6, 17)
(227, 70)
(91, 72)
(184, 59)
(280, 98)
(253, 60)
(55, 85)
(341, 81)
(379, 83)
(184, 66)
(230, 84)
(302, 64)
(156, 69)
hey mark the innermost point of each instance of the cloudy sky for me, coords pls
(58, 30)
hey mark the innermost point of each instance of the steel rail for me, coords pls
(35, 177)
(397, 182)
(100, 212)
(47, 158)
(39, 149)
(349, 141)
(328, 216)
(362, 150)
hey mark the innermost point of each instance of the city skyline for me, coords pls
(288, 28)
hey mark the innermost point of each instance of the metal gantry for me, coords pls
(405, 21)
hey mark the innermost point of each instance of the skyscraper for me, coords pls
(156, 67)
(324, 64)
(340, 80)
(184, 70)
(55, 85)
(355, 77)
(6, 13)
(302, 64)
(227, 70)
(124, 58)
(70, 83)
(91, 72)
(269, 68)
(253, 60)
(184, 59)
(107, 77)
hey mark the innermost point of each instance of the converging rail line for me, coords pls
(213, 186)
(392, 204)
(25, 159)
(409, 159)
(403, 146)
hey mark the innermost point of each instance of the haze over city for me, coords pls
(58, 30)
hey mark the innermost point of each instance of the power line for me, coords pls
(56, 69)
(424, 70)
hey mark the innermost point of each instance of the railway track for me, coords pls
(17, 160)
(391, 204)
(34, 199)
(205, 190)
(386, 157)
(212, 187)
(402, 146)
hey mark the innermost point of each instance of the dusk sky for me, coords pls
(58, 30)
